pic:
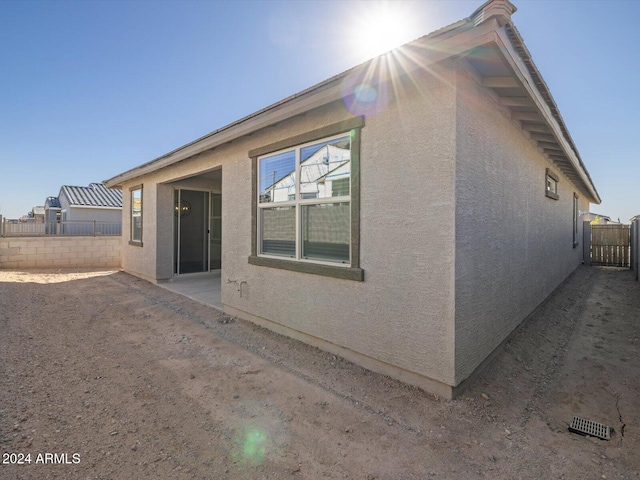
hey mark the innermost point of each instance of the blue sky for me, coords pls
(89, 89)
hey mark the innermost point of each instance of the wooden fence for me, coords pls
(610, 245)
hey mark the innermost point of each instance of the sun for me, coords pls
(380, 27)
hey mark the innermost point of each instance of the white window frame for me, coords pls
(136, 241)
(299, 202)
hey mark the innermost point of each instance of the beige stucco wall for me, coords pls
(140, 260)
(458, 241)
(514, 245)
(154, 260)
(59, 251)
(402, 314)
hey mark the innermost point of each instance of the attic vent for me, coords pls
(591, 428)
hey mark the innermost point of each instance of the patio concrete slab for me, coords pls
(201, 287)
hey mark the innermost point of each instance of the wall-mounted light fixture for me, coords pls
(184, 209)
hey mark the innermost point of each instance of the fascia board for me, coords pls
(231, 133)
(522, 72)
(95, 207)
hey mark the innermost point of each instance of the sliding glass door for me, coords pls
(197, 231)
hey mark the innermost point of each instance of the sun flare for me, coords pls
(380, 27)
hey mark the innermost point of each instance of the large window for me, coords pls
(136, 216)
(302, 215)
(307, 202)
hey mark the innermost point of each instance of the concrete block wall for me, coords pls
(60, 252)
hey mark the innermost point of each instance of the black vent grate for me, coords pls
(591, 428)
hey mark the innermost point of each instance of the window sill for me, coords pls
(552, 195)
(346, 273)
(135, 244)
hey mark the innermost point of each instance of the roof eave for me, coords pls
(489, 24)
(435, 48)
(319, 95)
(548, 108)
(99, 207)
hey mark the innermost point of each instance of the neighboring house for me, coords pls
(37, 214)
(455, 214)
(30, 224)
(75, 210)
(596, 219)
(52, 214)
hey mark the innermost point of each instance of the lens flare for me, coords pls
(363, 95)
(252, 446)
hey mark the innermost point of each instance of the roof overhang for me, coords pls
(487, 40)
(508, 73)
(95, 207)
(429, 50)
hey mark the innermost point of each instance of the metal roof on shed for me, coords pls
(95, 195)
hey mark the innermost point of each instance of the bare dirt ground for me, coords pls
(121, 379)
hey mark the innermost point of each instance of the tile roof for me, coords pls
(95, 195)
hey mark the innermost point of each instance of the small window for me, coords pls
(136, 216)
(551, 186)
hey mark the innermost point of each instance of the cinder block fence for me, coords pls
(59, 252)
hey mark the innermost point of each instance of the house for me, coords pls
(37, 214)
(406, 214)
(596, 219)
(52, 215)
(75, 210)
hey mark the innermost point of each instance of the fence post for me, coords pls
(586, 243)
(636, 247)
(1, 226)
(632, 250)
(94, 228)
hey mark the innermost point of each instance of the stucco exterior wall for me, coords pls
(59, 251)
(136, 259)
(514, 245)
(154, 260)
(402, 314)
